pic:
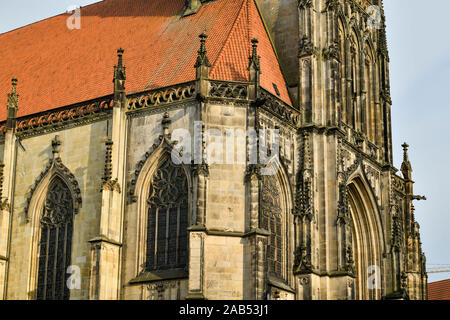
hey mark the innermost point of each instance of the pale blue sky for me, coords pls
(419, 49)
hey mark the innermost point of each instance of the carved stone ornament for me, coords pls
(332, 52)
(304, 200)
(253, 171)
(304, 281)
(307, 48)
(270, 197)
(56, 168)
(109, 183)
(349, 262)
(58, 204)
(165, 142)
(304, 4)
(281, 110)
(302, 262)
(162, 96)
(229, 90)
(331, 5)
(3, 202)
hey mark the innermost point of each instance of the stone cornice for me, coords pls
(330, 274)
(286, 113)
(98, 109)
(227, 233)
(104, 239)
(57, 119)
(160, 275)
(161, 96)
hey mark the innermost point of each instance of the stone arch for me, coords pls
(138, 207)
(367, 237)
(279, 178)
(56, 170)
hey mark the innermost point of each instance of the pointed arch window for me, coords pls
(167, 218)
(55, 242)
(271, 220)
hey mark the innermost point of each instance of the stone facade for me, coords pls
(334, 220)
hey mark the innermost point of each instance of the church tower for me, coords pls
(356, 233)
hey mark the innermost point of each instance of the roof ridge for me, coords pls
(228, 37)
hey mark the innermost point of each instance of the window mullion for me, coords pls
(166, 251)
(177, 247)
(46, 261)
(63, 289)
(55, 263)
(155, 261)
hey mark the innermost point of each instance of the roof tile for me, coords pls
(439, 290)
(58, 67)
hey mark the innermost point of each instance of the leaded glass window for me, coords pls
(167, 218)
(271, 220)
(55, 243)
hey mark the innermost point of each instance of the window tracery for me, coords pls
(271, 220)
(55, 243)
(167, 218)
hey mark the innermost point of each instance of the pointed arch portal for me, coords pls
(366, 241)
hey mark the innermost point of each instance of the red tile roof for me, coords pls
(439, 290)
(58, 67)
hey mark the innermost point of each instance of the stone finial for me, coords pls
(12, 105)
(119, 76)
(405, 147)
(56, 147)
(254, 71)
(202, 58)
(406, 165)
(202, 66)
(254, 59)
(13, 97)
(14, 85)
(120, 52)
(119, 69)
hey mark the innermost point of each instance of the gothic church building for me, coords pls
(93, 205)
